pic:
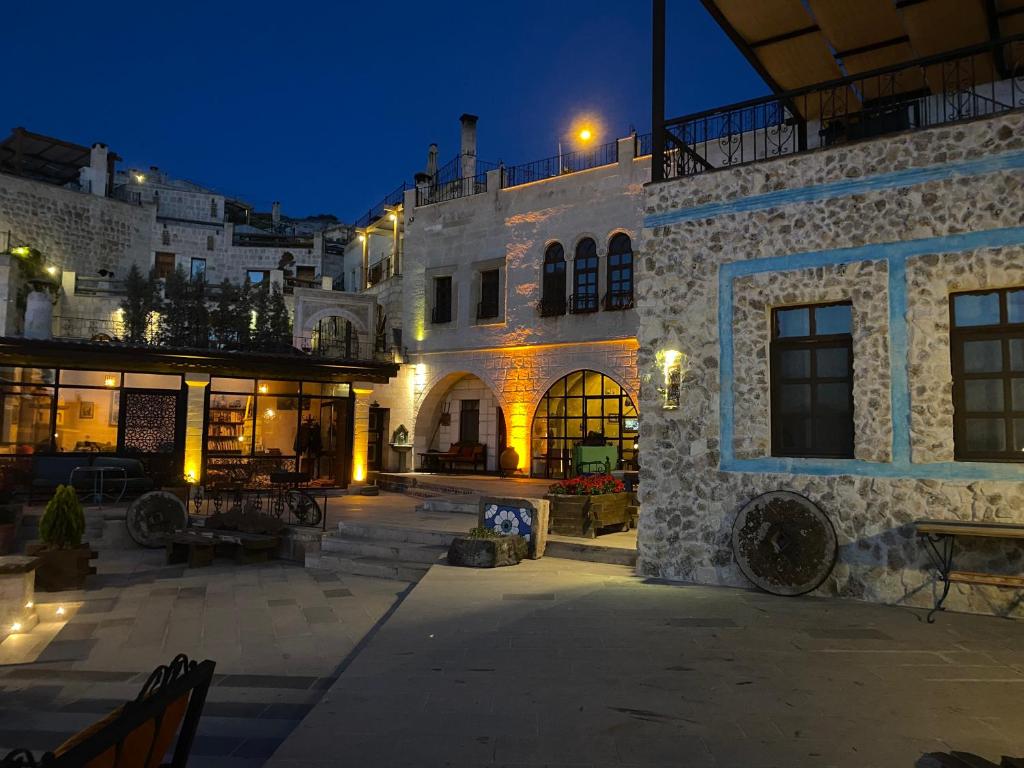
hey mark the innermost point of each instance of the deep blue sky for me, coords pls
(327, 106)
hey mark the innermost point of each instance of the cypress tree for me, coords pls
(198, 313)
(261, 337)
(138, 305)
(223, 323)
(174, 310)
(279, 324)
(242, 315)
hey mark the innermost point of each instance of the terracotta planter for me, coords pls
(62, 569)
(487, 553)
(584, 515)
(508, 461)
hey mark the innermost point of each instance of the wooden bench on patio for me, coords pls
(140, 733)
(941, 536)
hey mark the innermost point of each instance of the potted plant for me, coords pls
(65, 559)
(581, 505)
(485, 548)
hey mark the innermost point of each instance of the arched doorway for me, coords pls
(577, 405)
(460, 408)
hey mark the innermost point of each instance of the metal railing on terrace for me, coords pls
(970, 83)
(567, 162)
(452, 190)
(393, 199)
(320, 346)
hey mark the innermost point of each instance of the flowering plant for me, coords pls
(587, 485)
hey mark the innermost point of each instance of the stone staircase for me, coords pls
(382, 551)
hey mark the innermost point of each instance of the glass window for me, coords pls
(152, 381)
(277, 423)
(584, 296)
(620, 273)
(553, 288)
(9, 375)
(198, 268)
(219, 384)
(256, 275)
(25, 421)
(109, 379)
(987, 349)
(812, 381)
(488, 307)
(442, 312)
(269, 387)
(87, 420)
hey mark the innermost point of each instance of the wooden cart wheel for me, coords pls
(155, 516)
(784, 543)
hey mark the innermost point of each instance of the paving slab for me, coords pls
(558, 663)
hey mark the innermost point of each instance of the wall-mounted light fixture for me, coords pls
(672, 363)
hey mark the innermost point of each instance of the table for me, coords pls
(941, 536)
(99, 480)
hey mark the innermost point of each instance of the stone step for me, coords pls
(395, 533)
(386, 550)
(376, 567)
(466, 506)
(591, 553)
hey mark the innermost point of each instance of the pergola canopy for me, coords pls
(42, 158)
(799, 43)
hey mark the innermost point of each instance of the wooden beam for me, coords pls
(786, 36)
(873, 47)
(992, 22)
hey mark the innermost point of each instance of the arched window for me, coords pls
(552, 301)
(620, 273)
(584, 291)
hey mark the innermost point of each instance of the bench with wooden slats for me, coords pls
(941, 536)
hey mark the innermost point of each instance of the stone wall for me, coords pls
(76, 231)
(893, 225)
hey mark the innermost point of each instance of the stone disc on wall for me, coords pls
(784, 544)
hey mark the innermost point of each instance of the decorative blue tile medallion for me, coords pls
(509, 520)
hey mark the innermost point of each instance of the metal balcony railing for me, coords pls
(582, 303)
(967, 84)
(618, 300)
(567, 162)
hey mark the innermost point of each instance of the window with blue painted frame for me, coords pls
(812, 381)
(987, 360)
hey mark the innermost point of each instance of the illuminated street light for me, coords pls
(586, 134)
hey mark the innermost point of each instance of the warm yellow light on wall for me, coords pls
(420, 378)
(519, 431)
(195, 417)
(51, 270)
(672, 363)
(21, 250)
(110, 381)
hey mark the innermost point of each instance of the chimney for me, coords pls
(432, 162)
(98, 166)
(467, 146)
(275, 215)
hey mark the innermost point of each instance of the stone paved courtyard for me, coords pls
(559, 663)
(280, 635)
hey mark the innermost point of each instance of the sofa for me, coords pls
(50, 471)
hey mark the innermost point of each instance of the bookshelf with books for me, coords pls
(229, 424)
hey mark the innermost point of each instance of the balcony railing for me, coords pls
(441, 315)
(567, 162)
(379, 272)
(582, 303)
(966, 84)
(452, 190)
(551, 307)
(392, 200)
(319, 346)
(618, 300)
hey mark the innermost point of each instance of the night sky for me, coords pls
(328, 106)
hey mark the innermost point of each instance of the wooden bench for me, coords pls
(198, 548)
(140, 733)
(468, 454)
(941, 536)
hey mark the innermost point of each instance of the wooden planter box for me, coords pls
(487, 553)
(584, 515)
(62, 569)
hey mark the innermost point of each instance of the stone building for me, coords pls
(515, 291)
(831, 303)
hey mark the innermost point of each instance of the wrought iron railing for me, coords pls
(582, 303)
(391, 200)
(644, 144)
(567, 162)
(378, 272)
(127, 195)
(299, 506)
(551, 307)
(966, 84)
(452, 190)
(618, 300)
(323, 346)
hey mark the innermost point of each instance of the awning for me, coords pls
(42, 158)
(794, 44)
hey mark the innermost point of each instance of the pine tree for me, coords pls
(223, 323)
(138, 305)
(279, 324)
(242, 315)
(174, 310)
(198, 313)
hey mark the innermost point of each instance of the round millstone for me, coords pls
(784, 544)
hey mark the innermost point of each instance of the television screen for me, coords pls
(631, 424)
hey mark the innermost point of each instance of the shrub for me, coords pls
(587, 485)
(63, 521)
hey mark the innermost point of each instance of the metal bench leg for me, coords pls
(943, 562)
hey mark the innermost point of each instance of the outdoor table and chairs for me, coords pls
(118, 477)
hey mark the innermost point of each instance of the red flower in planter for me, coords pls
(587, 485)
